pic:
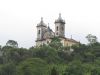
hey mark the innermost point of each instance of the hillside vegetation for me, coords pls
(52, 59)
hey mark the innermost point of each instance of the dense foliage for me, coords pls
(52, 59)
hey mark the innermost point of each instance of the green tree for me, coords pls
(1, 51)
(75, 68)
(12, 43)
(8, 69)
(91, 38)
(95, 71)
(0, 47)
(15, 54)
(56, 43)
(54, 71)
(32, 66)
(46, 53)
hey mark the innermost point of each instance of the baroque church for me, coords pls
(45, 33)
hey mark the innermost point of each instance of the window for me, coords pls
(62, 28)
(39, 32)
(57, 28)
(56, 33)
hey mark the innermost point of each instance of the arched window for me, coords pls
(57, 28)
(39, 32)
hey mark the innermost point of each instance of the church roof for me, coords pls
(48, 33)
(48, 29)
(71, 40)
(59, 20)
(41, 23)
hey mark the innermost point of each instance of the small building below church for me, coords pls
(45, 33)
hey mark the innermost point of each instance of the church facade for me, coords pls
(45, 33)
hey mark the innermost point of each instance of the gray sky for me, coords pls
(18, 18)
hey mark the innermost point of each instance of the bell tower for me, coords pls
(41, 27)
(60, 27)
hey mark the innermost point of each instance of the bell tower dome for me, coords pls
(59, 27)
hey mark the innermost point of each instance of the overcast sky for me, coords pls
(18, 19)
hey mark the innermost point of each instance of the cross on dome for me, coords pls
(41, 19)
(60, 16)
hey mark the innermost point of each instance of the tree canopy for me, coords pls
(52, 59)
(12, 43)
